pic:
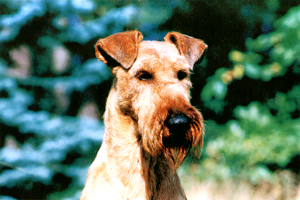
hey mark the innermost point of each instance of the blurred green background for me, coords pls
(53, 92)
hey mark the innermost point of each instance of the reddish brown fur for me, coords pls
(139, 156)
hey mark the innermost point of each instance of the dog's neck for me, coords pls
(120, 129)
(127, 160)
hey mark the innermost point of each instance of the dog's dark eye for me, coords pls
(182, 75)
(144, 76)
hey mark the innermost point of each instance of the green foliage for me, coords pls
(256, 138)
(284, 51)
(263, 133)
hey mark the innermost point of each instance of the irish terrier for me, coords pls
(150, 125)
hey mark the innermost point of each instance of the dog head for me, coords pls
(153, 86)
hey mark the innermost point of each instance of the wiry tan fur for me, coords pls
(139, 156)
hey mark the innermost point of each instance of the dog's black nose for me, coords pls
(178, 124)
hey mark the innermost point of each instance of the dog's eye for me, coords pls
(144, 75)
(182, 75)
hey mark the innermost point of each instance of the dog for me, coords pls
(150, 125)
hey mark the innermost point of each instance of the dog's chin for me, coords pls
(176, 147)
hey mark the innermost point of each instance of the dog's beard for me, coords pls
(158, 140)
(177, 147)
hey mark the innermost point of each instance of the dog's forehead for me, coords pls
(160, 52)
(159, 49)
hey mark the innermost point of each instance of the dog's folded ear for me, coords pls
(190, 47)
(119, 49)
